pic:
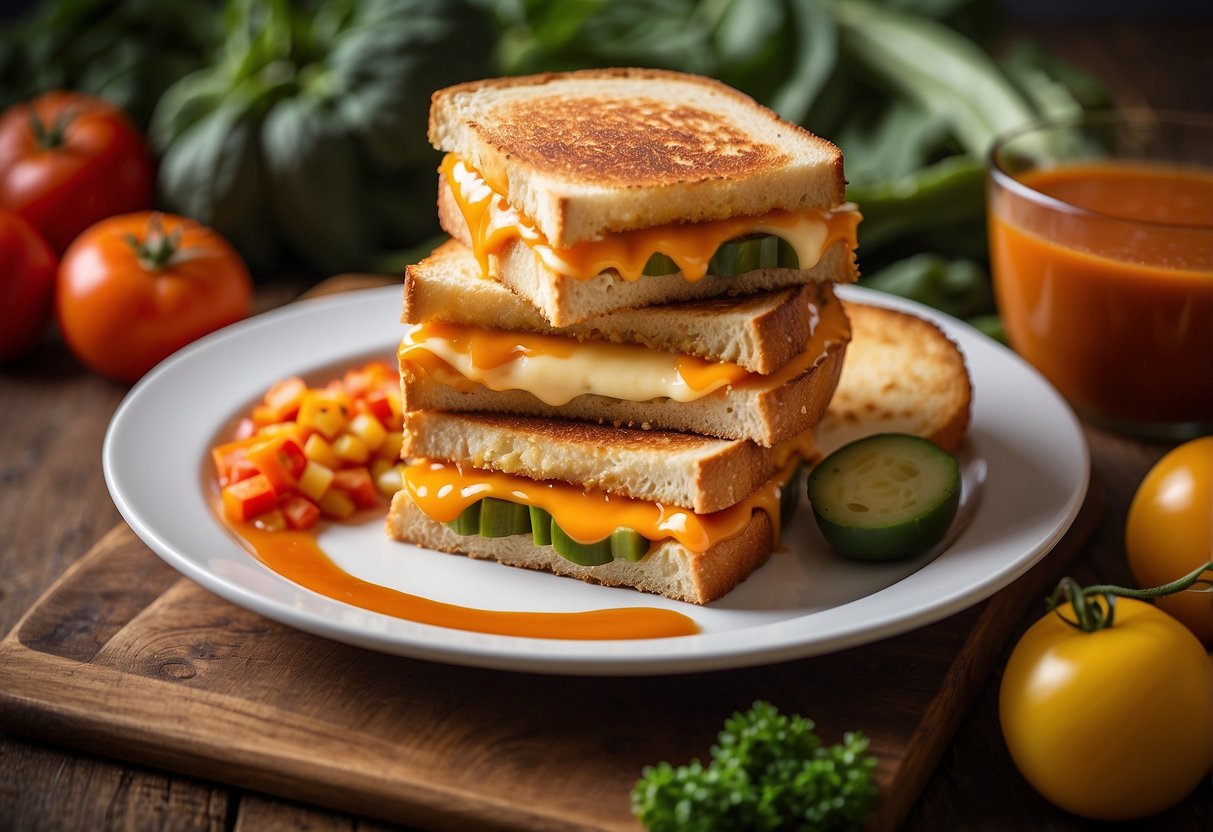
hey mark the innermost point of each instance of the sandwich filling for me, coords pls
(689, 248)
(444, 490)
(556, 369)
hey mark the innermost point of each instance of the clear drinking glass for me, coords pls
(1101, 248)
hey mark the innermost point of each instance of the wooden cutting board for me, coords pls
(124, 657)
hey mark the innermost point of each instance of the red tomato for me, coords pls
(68, 160)
(27, 285)
(137, 287)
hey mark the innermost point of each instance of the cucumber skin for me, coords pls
(468, 521)
(500, 520)
(541, 526)
(895, 541)
(593, 554)
(736, 257)
(881, 543)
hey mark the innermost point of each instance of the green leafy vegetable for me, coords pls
(958, 287)
(306, 135)
(768, 771)
(945, 72)
(127, 52)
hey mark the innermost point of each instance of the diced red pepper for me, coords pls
(300, 513)
(377, 405)
(230, 458)
(280, 459)
(359, 485)
(284, 396)
(244, 500)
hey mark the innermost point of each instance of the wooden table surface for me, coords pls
(54, 506)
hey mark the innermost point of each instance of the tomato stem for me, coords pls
(1090, 614)
(159, 249)
(52, 136)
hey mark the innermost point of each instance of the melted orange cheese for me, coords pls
(556, 369)
(443, 490)
(493, 224)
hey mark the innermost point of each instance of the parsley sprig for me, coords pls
(768, 771)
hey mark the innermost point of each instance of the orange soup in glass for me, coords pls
(1101, 248)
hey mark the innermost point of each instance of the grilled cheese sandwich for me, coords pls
(601, 190)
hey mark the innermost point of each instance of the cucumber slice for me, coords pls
(886, 496)
(659, 263)
(628, 544)
(749, 253)
(492, 517)
(585, 554)
(789, 496)
(468, 522)
(736, 257)
(501, 518)
(541, 526)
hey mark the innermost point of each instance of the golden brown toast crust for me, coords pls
(591, 152)
(560, 432)
(902, 374)
(638, 143)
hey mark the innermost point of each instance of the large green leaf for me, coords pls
(313, 173)
(945, 72)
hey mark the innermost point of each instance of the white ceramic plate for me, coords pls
(1024, 442)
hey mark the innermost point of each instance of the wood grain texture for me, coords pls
(184, 681)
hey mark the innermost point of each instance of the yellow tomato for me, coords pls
(1115, 724)
(1170, 530)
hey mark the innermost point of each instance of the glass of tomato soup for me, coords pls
(1101, 247)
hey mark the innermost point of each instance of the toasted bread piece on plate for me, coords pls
(902, 375)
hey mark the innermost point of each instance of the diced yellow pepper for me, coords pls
(369, 429)
(323, 411)
(279, 429)
(393, 400)
(315, 479)
(351, 449)
(390, 449)
(319, 450)
(337, 504)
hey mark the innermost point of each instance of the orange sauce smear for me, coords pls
(1118, 317)
(297, 556)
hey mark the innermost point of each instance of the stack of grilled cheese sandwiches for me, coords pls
(614, 368)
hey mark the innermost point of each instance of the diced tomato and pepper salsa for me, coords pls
(311, 452)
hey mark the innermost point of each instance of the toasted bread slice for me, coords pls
(584, 154)
(760, 332)
(563, 301)
(668, 569)
(695, 472)
(767, 416)
(902, 375)
(628, 385)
